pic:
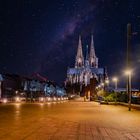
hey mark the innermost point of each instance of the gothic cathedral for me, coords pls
(86, 69)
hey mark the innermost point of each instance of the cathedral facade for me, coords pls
(86, 68)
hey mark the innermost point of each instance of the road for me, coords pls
(68, 121)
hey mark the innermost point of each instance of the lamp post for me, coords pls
(103, 87)
(129, 73)
(107, 82)
(115, 80)
(102, 84)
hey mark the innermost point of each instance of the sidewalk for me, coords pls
(68, 121)
(134, 106)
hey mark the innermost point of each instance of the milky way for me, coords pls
(42, 36)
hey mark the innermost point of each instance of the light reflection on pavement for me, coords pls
(67, 120)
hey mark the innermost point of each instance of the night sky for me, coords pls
(41, 36)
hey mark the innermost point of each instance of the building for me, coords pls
(10, 84)
(86, 71)
(29, 87)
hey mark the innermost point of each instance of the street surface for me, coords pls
(68, 121)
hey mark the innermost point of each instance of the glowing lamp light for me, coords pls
(5, 100)
(54, 99)
(41, 99)
(48, 98)
(17, 99)
(107, 81)
(102, 84)
(49, 104)
(115, 79)
(128, 72)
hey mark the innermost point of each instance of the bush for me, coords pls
(110, 98)
(122, 97)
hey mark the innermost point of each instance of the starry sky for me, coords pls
(41, 36)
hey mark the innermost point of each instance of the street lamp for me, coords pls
(17, 99)
(97, 87)
(106, 84)
(107, 81)
(129, 73)
(102, 84)
(115, 80)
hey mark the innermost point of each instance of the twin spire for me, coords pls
(93, 60)
(79, 51)
(92, 50)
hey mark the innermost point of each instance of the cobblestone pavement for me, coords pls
(68, 121)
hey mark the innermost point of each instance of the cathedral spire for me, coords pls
(79, 51)
(92, 50)
(79, 57)
(92, 57)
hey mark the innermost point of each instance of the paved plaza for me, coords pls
(68, 121)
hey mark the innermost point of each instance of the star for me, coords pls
(37, 33)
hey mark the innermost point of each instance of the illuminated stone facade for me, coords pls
(85, 69)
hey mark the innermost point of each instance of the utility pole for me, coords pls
(129, 36)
